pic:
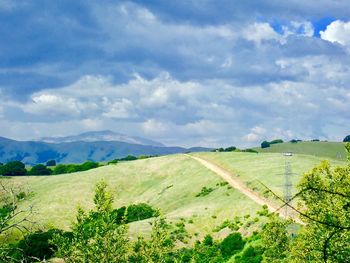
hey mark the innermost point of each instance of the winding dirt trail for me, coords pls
(238, 185)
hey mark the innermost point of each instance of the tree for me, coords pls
(40, 169)
(96, 236)
(275, 239)
(13, 168)
(325, 196)
(265, 144)
(12, 218)
(231, 245)
(347, 139)
(51, 163)
(276, 141)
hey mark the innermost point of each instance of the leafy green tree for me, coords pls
(159, 248)
(40, 169)
(276, 141)
(347, 138)
(325, 208)
(275, 240)
(231, 245)
(96, 236)
(13, 168)
(265, 144)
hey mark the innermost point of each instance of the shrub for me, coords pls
(250, 255)
(230, 149)
(294, 141)
(88, 165)
(129, 158)
(205, 191)
(51, 163)
(231, 245)
(38, 245)
(137, 212)
(265, 144)
(40, 169)
(276, 141)
(13, 168)
(347, 139)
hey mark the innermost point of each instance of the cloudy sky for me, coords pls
(191, 72)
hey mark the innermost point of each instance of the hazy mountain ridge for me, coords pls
(97, 136)
(33, 152)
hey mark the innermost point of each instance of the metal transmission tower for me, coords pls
(287, 181)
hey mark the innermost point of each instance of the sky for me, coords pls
(189, 73)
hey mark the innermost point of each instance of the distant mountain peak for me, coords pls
(104, 135)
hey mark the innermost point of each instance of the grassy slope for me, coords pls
(333, 150)
(265, 167)
(56, 197)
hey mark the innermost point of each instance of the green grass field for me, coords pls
(169, 183)
(334, 150)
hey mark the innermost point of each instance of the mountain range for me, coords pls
(95, 146)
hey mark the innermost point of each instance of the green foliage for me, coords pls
(128, 158)
(347, 138)
(36, 246)
(160, 247)
(205, 191)
(51, 163)
(251, 254)
(231, 245)
(40, 169)
(96, 236)
(137, 212)
(265, 144)
(72, 168)
(276, 141)
(275, 240)
(13, 168)
(325, 195)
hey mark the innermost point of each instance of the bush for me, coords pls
(205, 191)
(230, 149)
(137, 212)
(347, 139)
(276, 141)
(250, 255)
(265, 144)
(129, 158)
(40, 169)
(51, 163)
(88, 165)
(231, 245)
(38, 245)
(13, 168)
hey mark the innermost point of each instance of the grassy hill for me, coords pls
(333, 150)
(169, 183)
(267, 168)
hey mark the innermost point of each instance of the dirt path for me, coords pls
(238, 185)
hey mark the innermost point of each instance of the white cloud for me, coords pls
(259, 32)
(338, 31)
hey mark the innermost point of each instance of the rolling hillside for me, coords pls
(169, 183)
(267, 168)
(333, 150)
